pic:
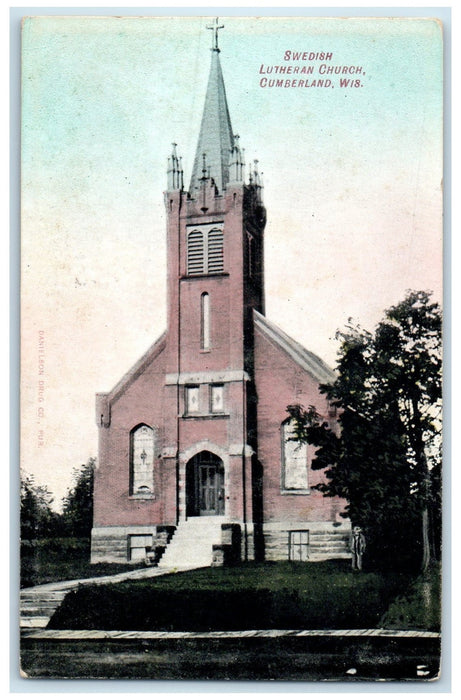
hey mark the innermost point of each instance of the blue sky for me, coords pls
(352, 189)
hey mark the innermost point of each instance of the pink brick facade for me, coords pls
(281, 381)
(211, 394)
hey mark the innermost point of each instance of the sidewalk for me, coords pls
(240, 655)
(38, 603)
(227, 634)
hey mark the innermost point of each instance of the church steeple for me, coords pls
(216, 139)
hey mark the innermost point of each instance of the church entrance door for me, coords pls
(211, 490)
(205, 485)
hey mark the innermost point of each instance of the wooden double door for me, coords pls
(205, 485)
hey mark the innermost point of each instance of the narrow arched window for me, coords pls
(205, 321)
(251, 255)
(142, 450)
(294, 460)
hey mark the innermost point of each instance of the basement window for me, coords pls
(298, 545)
(138, 546)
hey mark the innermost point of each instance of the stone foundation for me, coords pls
(119, 545)
(228, 552)
(310, 541)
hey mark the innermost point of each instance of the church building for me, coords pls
(196, 466)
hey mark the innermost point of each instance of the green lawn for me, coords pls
(282, 595)
(419, 607)
(278, 594)
(61, 559)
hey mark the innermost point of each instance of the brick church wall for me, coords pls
(141, 400)
(280, 381)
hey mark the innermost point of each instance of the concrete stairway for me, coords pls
(38, 605)
(192, 543)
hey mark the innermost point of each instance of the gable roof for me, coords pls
(138, 368)
(316, 367)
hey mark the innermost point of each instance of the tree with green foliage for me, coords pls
(384, 459)
(78, 503)
(37, 518)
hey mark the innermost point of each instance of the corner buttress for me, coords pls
(102, 410)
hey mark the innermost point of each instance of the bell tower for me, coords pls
(215, 249)
(215, 239)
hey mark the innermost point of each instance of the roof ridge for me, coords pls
(138, 367)
(305, 358)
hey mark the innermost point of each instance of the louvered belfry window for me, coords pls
(195, 253)
(215, 251)
(205, 250)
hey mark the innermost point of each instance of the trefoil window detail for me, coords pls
(217, 398)
(192, 400)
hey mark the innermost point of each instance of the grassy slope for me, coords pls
(280, 595)
(61, 559)
(420, 607)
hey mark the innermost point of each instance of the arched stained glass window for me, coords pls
(294, 460)
(142, 460)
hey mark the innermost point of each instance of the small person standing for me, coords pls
(357, 547)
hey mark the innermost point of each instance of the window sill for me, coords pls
(295, 492)
(142, 497)
(201, 275)
(202, 416)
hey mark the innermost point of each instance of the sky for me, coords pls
(352, 189)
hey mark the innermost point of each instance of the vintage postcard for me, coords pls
(231, 294)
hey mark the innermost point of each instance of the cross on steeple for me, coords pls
(216, 135)
(215, 29)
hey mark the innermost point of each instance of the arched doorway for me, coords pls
(205, 485)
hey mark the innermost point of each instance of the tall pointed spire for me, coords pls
(216, 137)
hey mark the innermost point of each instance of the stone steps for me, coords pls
(37, 606)
(192, 543)
(36, 622)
